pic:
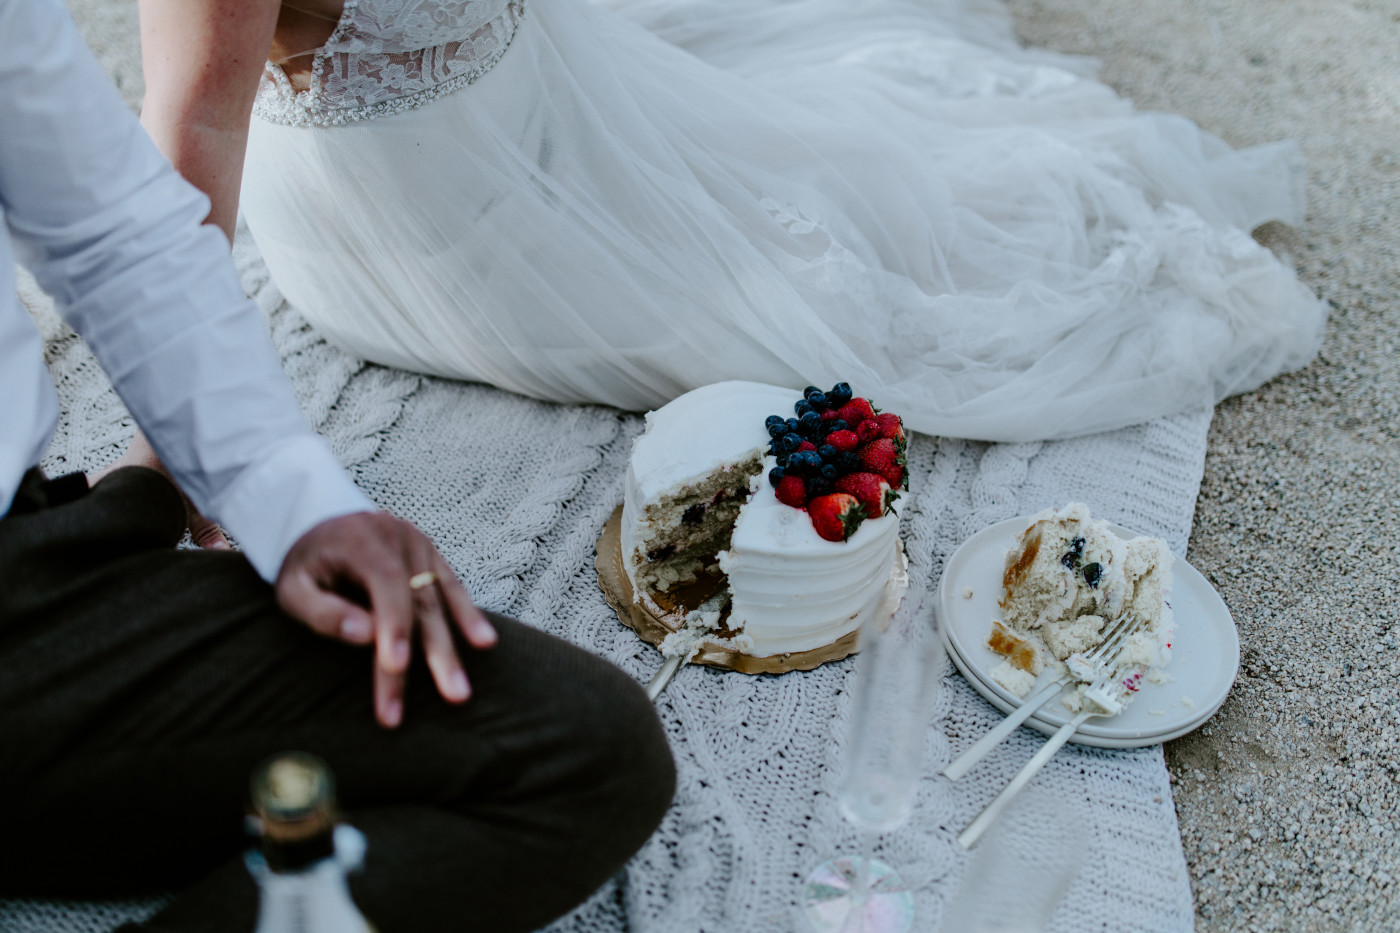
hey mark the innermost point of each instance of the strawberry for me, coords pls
(891, 426)
(836, 516)
(883, 456)
(792, 491)
(806, 445)
(869, 430)
(871, 490)
(857, 410)
(831, 414)
(843, 440)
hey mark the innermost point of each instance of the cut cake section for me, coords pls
(1067, 577)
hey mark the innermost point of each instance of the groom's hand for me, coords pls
(371, 577)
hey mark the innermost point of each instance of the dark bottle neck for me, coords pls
(286, 856)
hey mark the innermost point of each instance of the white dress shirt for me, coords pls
(116, 236)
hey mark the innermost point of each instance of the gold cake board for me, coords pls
(653, 626)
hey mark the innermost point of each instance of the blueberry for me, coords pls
(848, 462)
(818, 401)
(789, 442)
(775, 475)
(1078, 545)
(791, 425)
(804, 462)
(1070, 560)
(810, 423)
(808, 392)
(829, 471)
(837, 425)
(1092, 573)
(827, 452)
(802, 407)
(783, 460)
(694, 514)
(840, 394)
(818, 486)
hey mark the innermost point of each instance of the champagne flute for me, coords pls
(896, 676)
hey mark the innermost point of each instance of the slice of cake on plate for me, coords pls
(1067, 579)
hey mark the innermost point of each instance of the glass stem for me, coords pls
(861, 892)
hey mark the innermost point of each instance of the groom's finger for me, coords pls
(430, 616)
(391, 606)
(302, 597)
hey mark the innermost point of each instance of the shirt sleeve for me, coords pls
(109, 229)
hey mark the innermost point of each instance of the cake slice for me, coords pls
(1066, 578)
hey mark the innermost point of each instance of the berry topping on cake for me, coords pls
(843, 440)
(837, 444)
(836, 516)
(871, 490)
(884, 457)
(792, 491)
(857, 410)
(891, 426)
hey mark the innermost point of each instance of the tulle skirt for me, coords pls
(653, 195)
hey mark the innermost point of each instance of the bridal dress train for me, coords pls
(618, 202)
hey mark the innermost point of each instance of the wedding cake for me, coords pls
(1067, 579)
(768, 533)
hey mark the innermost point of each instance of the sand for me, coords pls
(1289, 799)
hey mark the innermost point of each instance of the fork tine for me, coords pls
(1126, 626)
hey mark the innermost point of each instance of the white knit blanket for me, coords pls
(515, 493)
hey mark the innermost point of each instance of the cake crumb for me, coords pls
(1188, 702)
(1156, 712)
(1013, 678)
(967, 592)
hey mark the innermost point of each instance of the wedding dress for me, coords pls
(619, 202)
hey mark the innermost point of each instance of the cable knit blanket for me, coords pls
(758, 757)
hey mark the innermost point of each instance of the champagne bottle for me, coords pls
(304, 855)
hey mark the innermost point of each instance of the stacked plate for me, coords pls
(1205, 648)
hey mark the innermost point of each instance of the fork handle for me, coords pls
(1047, 751)
(979, 749)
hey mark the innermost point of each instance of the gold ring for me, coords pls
(420, 580)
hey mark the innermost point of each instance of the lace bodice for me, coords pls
(390, 55)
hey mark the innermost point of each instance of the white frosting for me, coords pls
(792, 590)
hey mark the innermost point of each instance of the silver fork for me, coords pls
(1103, 655)
(1104, 697)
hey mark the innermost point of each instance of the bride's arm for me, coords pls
(202, 60)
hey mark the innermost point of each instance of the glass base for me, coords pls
(833, 902)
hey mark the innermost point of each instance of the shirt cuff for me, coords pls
(282, 497)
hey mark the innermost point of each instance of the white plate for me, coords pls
(1205, 649)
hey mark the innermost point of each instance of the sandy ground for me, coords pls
(1289, 799)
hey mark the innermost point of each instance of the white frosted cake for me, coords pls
(1067, 579)
(704, 534)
